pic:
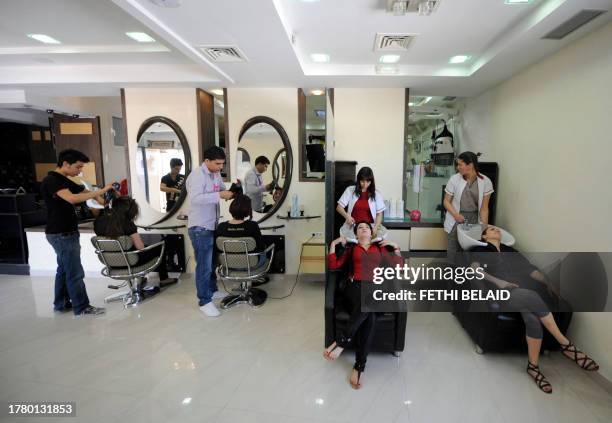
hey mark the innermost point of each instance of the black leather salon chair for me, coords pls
(390, 332)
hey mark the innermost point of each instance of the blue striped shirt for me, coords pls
(203, 188)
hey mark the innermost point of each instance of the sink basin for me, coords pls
(469, 236)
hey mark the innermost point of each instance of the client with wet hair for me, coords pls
(514, 272)
(360, 259)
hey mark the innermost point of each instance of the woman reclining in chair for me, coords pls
(118, 220)
(361, 259)
(526, 300)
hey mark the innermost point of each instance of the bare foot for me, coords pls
(332, 352)
(355, 379)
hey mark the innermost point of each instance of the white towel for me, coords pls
(416, 180)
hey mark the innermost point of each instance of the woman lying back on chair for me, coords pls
(118, 220)
(514, 272)
(361, 259)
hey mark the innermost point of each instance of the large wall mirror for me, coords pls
(164, 161)
(264, 162)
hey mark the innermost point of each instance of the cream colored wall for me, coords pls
(279, 104)
(550, 133)
(369, 128)
(178, 104)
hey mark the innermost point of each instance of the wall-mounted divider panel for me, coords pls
(81, 134)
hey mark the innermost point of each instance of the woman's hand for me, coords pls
(341, 240)
(349, 220)
(459, 218)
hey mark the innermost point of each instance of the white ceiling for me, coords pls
(501, 39)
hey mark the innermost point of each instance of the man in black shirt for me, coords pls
(60, 195)
(172, 183)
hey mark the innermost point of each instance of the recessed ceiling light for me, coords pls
(217, 92)
(187, 401)
(459, 59)
(44, 38)
(389, 58)
(319, 58)
(317, 92)
(141, 37)
(518, 1)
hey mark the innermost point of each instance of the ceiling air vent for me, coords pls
(579, 19)
(224, 53)
(392, 42)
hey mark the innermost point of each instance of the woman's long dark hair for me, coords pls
(468, 157)
(122, 210)
(365, 173)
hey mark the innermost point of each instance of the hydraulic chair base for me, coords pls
(133, 297)
(253, 297)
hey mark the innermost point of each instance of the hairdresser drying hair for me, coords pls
(360, 260)
(117, 220)
(466, 199)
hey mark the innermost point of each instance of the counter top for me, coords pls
(406, 223)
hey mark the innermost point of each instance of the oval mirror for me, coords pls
(263, 165)
(164, 161)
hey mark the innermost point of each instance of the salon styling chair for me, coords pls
(239, 262)
(119, 264)
(390, 331)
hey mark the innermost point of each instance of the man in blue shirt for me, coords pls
(205, 188)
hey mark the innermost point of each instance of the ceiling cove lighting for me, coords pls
(387, 69)
(141, 37)
(389, 58)
(317, 92)
(319, 57)
(44, 38)
(459, 59)
(517, 1)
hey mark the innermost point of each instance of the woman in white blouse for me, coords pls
(362, 202)
(466, 199)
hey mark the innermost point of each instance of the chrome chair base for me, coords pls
(253, 297)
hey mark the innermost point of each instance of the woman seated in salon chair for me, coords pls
(531, 294)
(117, 220)
(361, 259)
(242, 224)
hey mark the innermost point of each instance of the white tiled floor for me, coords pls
(264, 365)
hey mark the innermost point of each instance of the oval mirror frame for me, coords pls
(187, 153)
(287, 145)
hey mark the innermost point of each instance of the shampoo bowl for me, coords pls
(469, 236)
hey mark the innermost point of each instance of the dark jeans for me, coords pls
(69, 285)
(203, 242)
(361, 325)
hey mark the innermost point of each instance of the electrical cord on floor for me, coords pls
(297, 277)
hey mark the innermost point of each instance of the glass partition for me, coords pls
(430, 147)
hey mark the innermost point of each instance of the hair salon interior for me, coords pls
(257, 116)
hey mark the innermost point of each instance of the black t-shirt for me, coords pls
(172, 183)
(61, 217)
(248, 228)
(102, 225)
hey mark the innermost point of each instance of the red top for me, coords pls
(364, 261)
(361, 209)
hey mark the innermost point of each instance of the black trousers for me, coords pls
(153, 254)
(360, 327)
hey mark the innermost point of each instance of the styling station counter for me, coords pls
(426, 235)
(42, 259)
